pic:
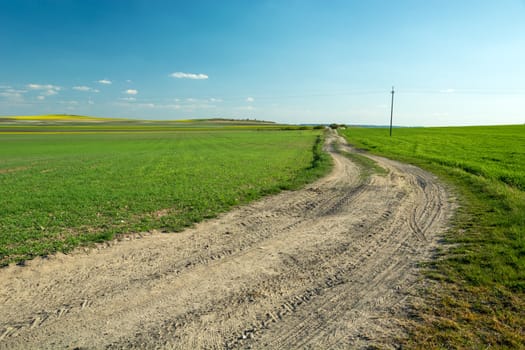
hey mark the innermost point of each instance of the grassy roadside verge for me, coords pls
(320, 165)
(478, 295)
(60, 191)
(367, 165)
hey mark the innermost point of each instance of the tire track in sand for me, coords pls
(329, 266)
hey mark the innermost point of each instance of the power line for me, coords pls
(391, 111)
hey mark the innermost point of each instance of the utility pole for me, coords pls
(391, 111)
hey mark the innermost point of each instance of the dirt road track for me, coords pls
(330, 266)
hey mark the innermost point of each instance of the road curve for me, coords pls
(330, 266)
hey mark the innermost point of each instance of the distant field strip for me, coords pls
(480, 301)
(108, 128)
(55, 117)
(61, 190)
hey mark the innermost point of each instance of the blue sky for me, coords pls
(452, 62)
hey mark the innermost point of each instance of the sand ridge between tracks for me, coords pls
(333, 265)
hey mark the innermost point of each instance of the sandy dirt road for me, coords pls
(330, 266)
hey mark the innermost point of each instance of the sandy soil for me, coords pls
(331, 266)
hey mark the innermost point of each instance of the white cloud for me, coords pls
(13, 94)
(245, 108)
(85, 88)
(41, 98)
(128, 81)
(159, 106)
(16, 91)
(191, 100)
(181, 75)
(104, 81)
(131, 92)
(146, 105)
(48, 87)
(128, 98)
(250, 99)
(215, 99)
(447, 91)
(126, 102)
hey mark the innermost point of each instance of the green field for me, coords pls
(479, 300)
(64, 188)
(81, 124)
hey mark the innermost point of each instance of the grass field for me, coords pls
(81, 124)
(63, 189)
(479, 299)
(54, 118)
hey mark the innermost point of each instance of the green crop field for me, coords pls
(65, 187)
(478, 300)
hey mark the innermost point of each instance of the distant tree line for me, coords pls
(337, 126)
